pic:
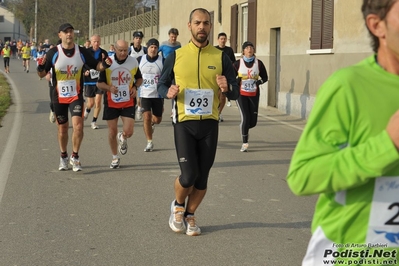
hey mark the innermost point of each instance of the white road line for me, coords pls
(12, 141)
(281, 122)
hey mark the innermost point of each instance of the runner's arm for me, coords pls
(229, 73)
(324, 160)
(167, 75)
(43, 69)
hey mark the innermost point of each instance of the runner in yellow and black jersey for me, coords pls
(200, 72)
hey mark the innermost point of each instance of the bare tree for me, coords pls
(52, 13)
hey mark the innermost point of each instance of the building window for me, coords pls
(1, 19)
(322, 26)
(243, 24)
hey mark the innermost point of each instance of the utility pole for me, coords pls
(92, 19)
(35, 21)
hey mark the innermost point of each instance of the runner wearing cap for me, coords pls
(151, 102)
(66, 62)
(251, 74)
(136, 50)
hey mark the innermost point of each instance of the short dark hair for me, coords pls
(200, 9)
(379, 8)
(173, 31)
(222, 34)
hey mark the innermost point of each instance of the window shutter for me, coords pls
(252, 21)
(315, 35)
(234, 27)
(220, 11)
(328, 24)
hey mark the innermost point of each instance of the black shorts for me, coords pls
(6, 61)
(196, 143)
(153, 104)
(92, 90)
(112, 113)
(61, 109)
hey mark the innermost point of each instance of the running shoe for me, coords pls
(63, 164)
(139, 113)
(221, 118)
(228, 104)
(51, 117)
(115, 163)
(94, 125)
(122, 144)
(27, 71)
(153, 128)
(244, 147)
(75, 164)
(85, 115)
(176, 219)
(192, 227)
(149, 147)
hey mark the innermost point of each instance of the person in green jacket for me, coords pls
(348, 154)
(6, 53)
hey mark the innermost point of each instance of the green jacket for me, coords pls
(346, 156)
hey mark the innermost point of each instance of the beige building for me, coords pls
(300, 42)
(10, 27)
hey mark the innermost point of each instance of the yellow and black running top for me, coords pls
(194, 69)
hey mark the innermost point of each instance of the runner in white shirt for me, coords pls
(151, 102)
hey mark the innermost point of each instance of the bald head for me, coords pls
(121, 49)
(121, 44)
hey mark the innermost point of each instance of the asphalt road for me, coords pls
(108, 217)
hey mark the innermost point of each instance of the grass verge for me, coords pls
(5, 97)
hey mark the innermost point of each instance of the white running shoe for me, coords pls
(228, 104)
(221, 118)
(63, 164)
(75, 164)
(192, 227)
(52, 117)
(122, 144)
(149, 147)
(176, 219)
(85, 115)
(139, 113)
(94, 125)
(244, 147)
(153, 128)
(115, 163)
